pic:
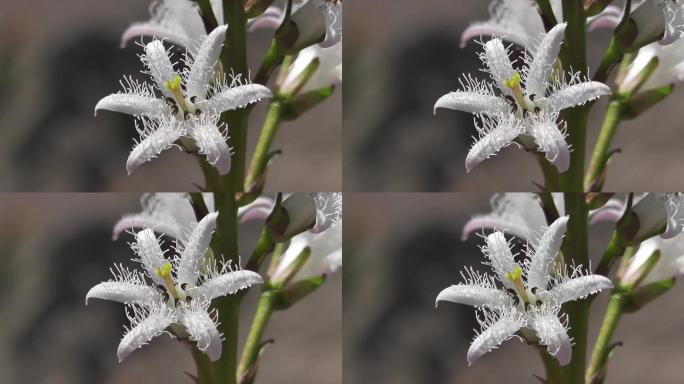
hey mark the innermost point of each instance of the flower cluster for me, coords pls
(524, 297)
(173, 294)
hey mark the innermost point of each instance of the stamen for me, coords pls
(515, 277)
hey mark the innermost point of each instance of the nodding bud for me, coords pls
(291, 216)
(254, 8)
(305, 27)
(649, 218)
(646, 24)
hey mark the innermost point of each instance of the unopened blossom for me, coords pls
(317, 21)
(661, 20)
(173, 294)
(659, 213)
(521, 214)
(527, 102)
(518, 21)
(328, 73)
(179, 22)
(324, 241)
(183, 104)
(670, 68)
(670, 264)
(526, 296)
(171, 213)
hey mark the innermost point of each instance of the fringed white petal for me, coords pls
(328, 210)
(132, 104)
(326, 249)
(475, 295)
(573, 289)
(202, 330)
(194, 249)
(229, 98)
(472, 102)
(211, 142)
(156, 135)
(146, 326)
(609, 18)
(499, 255)
(160, 224)
(498, 63)
(124, 292)
(541, 261)
(201, 69)
(576, 94)
(270, 19)
(495, 134)
(156, 59)
(497, 327)
(224, 284)
(149, 252)
(518, 214)
(550, 140)
(540, 69)
(332, 12)
(552, 333)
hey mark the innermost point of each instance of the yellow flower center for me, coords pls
(165, 273)
(513, 83)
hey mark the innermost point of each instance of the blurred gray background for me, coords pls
(58, 58)
(400, 59)
(401, 250)
(55, 247)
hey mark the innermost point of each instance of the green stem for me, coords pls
(616, 248)
(573, 58)
(601, 151)
(203, 364)
(234, 59)
(225, 245)
(250, 353)
(263, 247)
(575, 250)
(610, 58)
(261, 152)
(207, 14)
(546, 13)
(599, 356)
(551, 175)
(273, 57)
(553, 375)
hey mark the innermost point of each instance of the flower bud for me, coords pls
(652, 216)
(645, 294)
(292, 293)
(292, 215)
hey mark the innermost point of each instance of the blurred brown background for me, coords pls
(55, 247)
(401, 250)
(58, 58)
(400, 58)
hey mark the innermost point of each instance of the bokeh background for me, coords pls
(400, 59)
(401, 250)
(55, 247)
(58, 58)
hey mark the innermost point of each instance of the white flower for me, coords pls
(324, 241)
(516, 111)
(179, 22)
(317, 21)
(189, 105)
(171, 213)
(658, 19)
(658, 211)
(530, 302)
(670, 69)
(328, 73)
(670, 264)
(518, 21)
(521, 214)
(173, 293)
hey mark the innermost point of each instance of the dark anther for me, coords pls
(176, 301)
(186, 115)
(534, 290)
(527, 306)
(197, 112)
(510, 100)
(533, 96)
(512, 292)
(525, 112)
(516, 301)
(161, 288)
(188, 299)
(175, 109)
(184, 285)
(537, 109)
(193, 98)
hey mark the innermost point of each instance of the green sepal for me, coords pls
(642, 101)
(292, 293)
(644, 295)
(306, 101)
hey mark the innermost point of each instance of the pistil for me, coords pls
(514, 85)
(174, 85)
(515, 277)
(165, 273)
